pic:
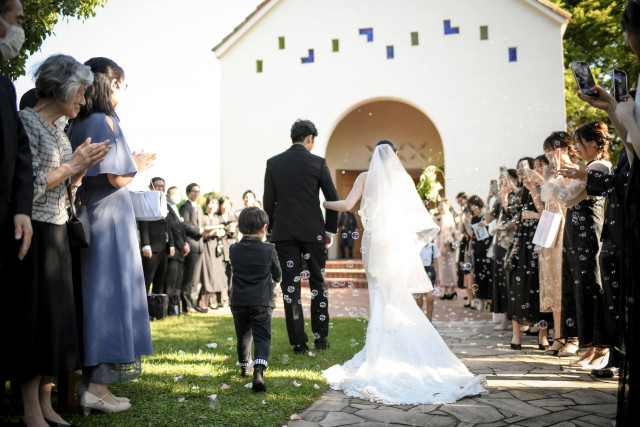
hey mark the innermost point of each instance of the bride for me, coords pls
(404, 360)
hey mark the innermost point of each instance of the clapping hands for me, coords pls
(143, 160)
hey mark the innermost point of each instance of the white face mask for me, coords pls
(12, 42)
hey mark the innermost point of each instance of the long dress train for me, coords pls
(404, 360)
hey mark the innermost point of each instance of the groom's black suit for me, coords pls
(292, 183)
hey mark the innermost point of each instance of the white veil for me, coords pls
(397, 224)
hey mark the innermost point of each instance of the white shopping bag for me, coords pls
(547, 229)
(149, 205)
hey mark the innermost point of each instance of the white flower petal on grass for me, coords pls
(248, 385)
(264, 402)
(212, 345)
(295, 417)
(225, 357)
(178, 378)
(206, 374)
(230, 339)
(296, 383)
(195, 387)
(224, 386)
(135, 380)
(181, 399)
(316, 386)
(181, 352)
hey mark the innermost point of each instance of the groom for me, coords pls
(292, 183)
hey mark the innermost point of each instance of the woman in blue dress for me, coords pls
(116, 328)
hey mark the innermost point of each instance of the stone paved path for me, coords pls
(525, 388)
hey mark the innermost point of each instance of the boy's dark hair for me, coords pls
(302, 129)
(631, 15)
(252, 219)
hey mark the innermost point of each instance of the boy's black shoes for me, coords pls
(258, 380)
(245, 371)
(300, 349)
(321, 344)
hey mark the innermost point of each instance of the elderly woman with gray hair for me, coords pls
(44, 316)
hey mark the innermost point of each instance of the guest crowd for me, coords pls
(552, 246)
(555, 243)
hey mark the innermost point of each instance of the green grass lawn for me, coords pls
(157, 398)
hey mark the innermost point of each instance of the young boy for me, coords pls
(256, 270)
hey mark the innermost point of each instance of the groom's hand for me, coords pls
(329, 240)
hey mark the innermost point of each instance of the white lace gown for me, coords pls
(404, 360)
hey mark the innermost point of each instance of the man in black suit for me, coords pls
(157, 246)
(16, 174)
(292, 183)
(193, 218)
(175, 264)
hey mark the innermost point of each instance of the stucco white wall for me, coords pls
(487, 110)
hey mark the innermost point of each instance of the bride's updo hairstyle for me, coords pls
(389, 143)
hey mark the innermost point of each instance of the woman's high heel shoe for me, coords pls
(82, 389)
(90, 401)
(453, 296)
(516, 346)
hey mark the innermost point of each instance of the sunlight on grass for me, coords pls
(181, 350)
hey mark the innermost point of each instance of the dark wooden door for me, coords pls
(344, 183)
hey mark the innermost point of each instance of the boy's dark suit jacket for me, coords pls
(292, 183)
(16, 173)
(177, 233)
(254, 265)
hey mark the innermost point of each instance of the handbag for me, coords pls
(547, 230)
(78, 224)
(149, 205)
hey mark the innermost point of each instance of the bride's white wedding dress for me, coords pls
(404, 360)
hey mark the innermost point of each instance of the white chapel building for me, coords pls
(469, 85)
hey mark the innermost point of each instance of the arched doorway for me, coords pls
(354, 137)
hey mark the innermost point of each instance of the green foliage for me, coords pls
(179, 344)
(594, 34)
(41, 17)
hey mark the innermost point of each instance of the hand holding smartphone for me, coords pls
(620, 87)
(584, 78)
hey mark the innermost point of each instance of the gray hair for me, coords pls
(60, 77)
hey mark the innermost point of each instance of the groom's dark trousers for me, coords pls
(292, 183)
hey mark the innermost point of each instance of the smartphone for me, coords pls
(494, 185)
(504, 172)
(620, 88)
(584, 78)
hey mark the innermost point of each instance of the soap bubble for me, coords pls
(323, 271)
(289, 264)
(304, 274)
(349, 264)
(307, 256)
(296, 279)
(323, 304)
(291, 289)
(326, 293)
(355, 235)
(356, 292)
(542, 324)
(344, 235)
(322, 317)
(570, 322)
(474, 287)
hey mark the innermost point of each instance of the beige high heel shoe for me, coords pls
(82, 388)
(599, 359)
(584, 360)
(89, 402)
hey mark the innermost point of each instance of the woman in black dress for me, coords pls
(506, 227)
(480, 242)
(581, 281)
(524, 302)
(465, 268)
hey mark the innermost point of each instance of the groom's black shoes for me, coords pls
(321, 344)
(258, 379)
(300, 349)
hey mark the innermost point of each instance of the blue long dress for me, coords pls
(116, 318)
